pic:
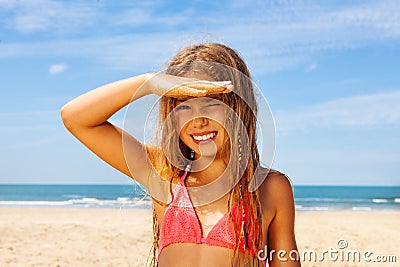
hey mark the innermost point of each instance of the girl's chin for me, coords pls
(207, 155)
(207, 151)
(204, 149)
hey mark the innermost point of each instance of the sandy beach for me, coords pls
(112, 237)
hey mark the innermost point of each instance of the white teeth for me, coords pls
(203, 137)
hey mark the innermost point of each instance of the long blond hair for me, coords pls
(221, 63)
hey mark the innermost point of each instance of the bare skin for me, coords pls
(86, 118)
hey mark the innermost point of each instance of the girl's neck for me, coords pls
(209, 171)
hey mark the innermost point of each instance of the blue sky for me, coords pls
(329, 70)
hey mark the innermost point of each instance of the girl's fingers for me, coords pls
(183, 91)
(194, 92)
(208, 85)
(213, 87)
(228, 89)
(203, 91)
(222, 89)
(200, 88)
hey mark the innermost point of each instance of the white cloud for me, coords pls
(140, 16)
(120, 52)
(57, 68)
(358, 111)
(312, 67)
(43, 15)
(272, 36)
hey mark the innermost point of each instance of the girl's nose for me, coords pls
(199, 122)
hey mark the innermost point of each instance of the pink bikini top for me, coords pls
(181, 225)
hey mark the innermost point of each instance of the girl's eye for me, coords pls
(182, 107)
(214, 105)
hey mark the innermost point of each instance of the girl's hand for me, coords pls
(176, 87)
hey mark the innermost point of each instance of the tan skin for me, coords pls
(86, 117)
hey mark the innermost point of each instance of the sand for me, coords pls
(113, 237)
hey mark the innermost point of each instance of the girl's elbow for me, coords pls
(67, 116)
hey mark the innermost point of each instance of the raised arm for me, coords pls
(86, 117)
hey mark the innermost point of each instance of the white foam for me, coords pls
(326, 199)
(361, 208)
(313, 208)
(85, 202)
(380, 200)
(35, 203)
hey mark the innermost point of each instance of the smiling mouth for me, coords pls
(204, 138)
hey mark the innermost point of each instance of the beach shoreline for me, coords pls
(56, 236)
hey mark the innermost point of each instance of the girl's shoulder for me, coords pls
(276, 189)
(272, 177)
(277, 178)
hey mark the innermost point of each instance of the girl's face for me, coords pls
(200, 124)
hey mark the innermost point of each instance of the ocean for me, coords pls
(307, 198)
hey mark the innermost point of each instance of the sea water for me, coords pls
(307, 198)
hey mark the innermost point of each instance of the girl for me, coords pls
(213, 203)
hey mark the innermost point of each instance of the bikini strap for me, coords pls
(188, 168)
